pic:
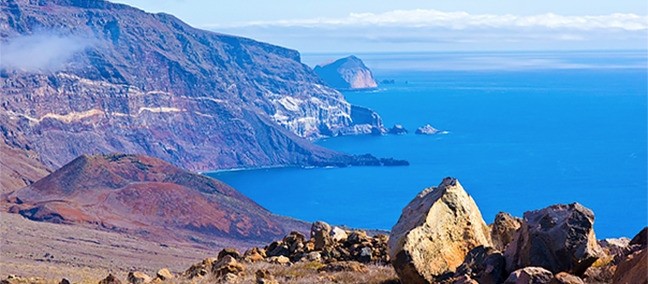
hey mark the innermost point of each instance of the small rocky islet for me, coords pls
(440, 237)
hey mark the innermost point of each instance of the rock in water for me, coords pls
(558, 238)
(347, 73)
(434, 233)
(397, 129)
(427, 130)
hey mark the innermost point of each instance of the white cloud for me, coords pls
(461, 20)
(42, 51)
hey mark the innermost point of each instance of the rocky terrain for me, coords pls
(440, 237)
(347, 73)
(147, 197)
(132, 82)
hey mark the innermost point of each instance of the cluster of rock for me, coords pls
(442, 238)
(423, 130)
(335, 248)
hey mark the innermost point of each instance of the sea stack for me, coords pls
(347, 73)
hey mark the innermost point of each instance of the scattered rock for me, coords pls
(231, 252)
(164, 274)
(227, 265)
(200, 269)
(254, 254)
(530, 275)
(503, 230)
(427, 130)
(314, 256)
(397, 129)
(435, 232)
(320, 231)
(339, 266)
(263, 276)
(281, 260)
(110, 279)
(558, 238)
(65, 281)
(566, 278)
(634, 269)
(138, 277)
(338, 234)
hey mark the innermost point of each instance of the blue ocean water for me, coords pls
(525, 130)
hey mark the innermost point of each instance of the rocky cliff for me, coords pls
(82, 77)
(347, 73)
(147, 197)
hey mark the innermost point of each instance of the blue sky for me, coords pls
(420, 25)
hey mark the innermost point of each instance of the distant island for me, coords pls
(348, 73)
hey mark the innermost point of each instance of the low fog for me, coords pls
(43, 51)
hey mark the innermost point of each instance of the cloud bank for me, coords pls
(421, 30)
(461, 20)
(42, 51)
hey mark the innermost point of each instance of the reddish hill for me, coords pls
(149, 197)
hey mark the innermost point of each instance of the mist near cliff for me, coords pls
(41, 51)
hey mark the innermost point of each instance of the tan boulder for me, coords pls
(227, 265)
(138, 277)
(110, 279)
(633, 270)
(338, 234)
(559, 238)
(435, 232)
(263, 276)
(503, 230)
(164, 274)
(281, 260)
(321, 233)
(254, 254)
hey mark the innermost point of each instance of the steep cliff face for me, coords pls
(149, 83)
(347, 73)
(148, 197)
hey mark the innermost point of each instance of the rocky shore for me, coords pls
(440, 237)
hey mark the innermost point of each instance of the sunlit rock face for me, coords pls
(134, 82)
(347, 73)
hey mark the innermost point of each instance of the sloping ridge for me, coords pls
(148, 197)
(151, 84)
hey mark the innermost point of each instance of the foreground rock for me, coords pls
(530, 275)
(633, 269)
(559, 238)
(347, 73)
(504, 229)
(435, 232)
(427, 130)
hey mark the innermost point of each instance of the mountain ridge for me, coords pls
(151, 84)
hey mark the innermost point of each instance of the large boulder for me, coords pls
(321, 233)
(503, 230)
(435, 232)
(634, 269)
(558, 238)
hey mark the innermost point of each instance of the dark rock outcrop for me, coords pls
(397, 129)
(347, 73)
(150, 84)
(559, 238)
(504, 229)
(483, 264)
(148, 197)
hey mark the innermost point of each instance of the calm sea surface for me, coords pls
(525, 130)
